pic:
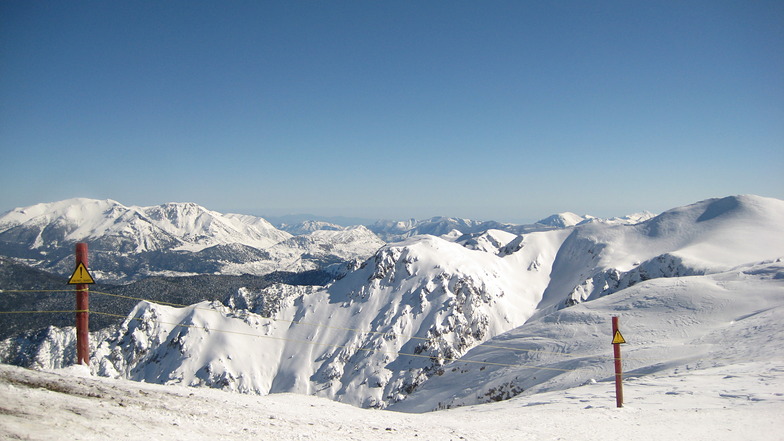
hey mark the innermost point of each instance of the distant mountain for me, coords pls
(309, 226)
(630, 219)
(130, 243)
(315, 250)
(563, 220)
(396, 324)
(107, 224)
(395, 231)
(282, 222)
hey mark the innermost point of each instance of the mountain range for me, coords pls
(437, 321)
(129, 243)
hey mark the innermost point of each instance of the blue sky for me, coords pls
(490, 110)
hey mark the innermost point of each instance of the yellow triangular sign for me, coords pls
(81, 276)
(618, 338)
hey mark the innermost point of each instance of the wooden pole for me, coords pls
(618, 370)
(83, 314)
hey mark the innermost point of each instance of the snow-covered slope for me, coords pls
(706, 237)
(697, 323)
(724, 404)
(339, 245)
(318, 249)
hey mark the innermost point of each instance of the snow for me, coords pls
(674, 326)
(741, 402)
(706, 237)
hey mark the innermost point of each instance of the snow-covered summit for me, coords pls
(706, 237)
(630, 219)
(310, 226)
(109, 224)
(563, 220)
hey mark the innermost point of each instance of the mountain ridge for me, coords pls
(129, 243)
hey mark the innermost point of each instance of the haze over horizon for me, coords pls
(509, 111)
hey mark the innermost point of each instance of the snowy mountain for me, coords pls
(707, 237)
(309, 226)
(129, 243)
(727, 320)
(179, 239)
(433, 314)
(629, 219)
(426, 296)
(319, 249)
(395, 231)
(563, 220)
(108, 223)
(339, 245)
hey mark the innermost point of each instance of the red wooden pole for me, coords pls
(83, 314)
(618, 372)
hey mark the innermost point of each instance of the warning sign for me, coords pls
(618, 338)
(81, 276)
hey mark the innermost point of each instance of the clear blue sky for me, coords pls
(490, 110)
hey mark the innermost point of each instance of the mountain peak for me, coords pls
(563, 220)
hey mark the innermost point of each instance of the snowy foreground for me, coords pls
(743, 401)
